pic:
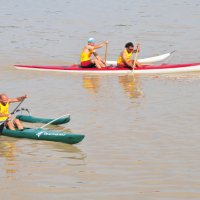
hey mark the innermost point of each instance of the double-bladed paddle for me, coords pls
(3, 124)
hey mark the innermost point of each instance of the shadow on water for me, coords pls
(8, 151)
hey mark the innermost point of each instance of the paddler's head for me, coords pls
(3, 99)
(129, 46)
(91, 41)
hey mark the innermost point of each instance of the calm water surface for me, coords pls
(142, 132)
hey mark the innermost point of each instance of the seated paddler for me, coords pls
(5, 116)
(90, 49)
(124, 60)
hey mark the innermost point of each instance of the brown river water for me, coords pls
(141, 132)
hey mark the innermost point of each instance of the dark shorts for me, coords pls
(87, 64)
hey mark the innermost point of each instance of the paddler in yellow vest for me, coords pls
(88, 51)
(124, 59)
(4, 111)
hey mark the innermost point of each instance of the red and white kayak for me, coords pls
(144, 69)
(153, 59)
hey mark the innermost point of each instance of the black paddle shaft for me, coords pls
(3, 124)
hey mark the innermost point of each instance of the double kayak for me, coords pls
(144, 69)
(33, 119)
(41, 134)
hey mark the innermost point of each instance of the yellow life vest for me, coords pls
(128, 55)
(4, 110)
(85, 56)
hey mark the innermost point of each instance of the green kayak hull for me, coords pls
(32, 119)
(41, 134)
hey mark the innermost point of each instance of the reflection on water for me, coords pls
(145, 152)
(35, 154)
(91, 83)
(61, 147)
(8, 151)
(130, 85)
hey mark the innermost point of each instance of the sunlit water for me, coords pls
(141, 132)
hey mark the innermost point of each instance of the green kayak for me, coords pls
(41, 134)
(32, 119)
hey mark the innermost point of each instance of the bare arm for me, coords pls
(98, 57)
(101, 44)
(17, 99)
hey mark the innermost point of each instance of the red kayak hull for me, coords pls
(164, 68)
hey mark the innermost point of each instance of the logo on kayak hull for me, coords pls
(49, 134)
(40, 133)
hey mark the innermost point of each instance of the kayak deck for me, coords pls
(41, 134)
(153, 59)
